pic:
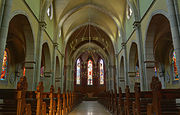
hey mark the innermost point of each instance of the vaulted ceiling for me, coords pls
(104, 17)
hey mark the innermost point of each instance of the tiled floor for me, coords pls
(90, 108)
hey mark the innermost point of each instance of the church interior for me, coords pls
(90, 57)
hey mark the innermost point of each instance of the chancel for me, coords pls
(89, 57)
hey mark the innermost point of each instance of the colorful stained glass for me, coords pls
(101, 72)
(175, 73)
(4, 66)
(155, 71)
(24, 71)
(78, 71)
(90, 70)
(137, 72)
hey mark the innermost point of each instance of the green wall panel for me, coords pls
(34, 6)
(144, 5)
(129, 27)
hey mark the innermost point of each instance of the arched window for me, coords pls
(174, 67)
(129, 12)
(24, 71)
(50, 11)
(101, 72)
(4, 66)
(78, 71)
(90, 72)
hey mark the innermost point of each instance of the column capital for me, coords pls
(30, 64)
(149, 64)
(123, 45)
(55, 44)
(42, 25)
(48, 74)
(136, 24)
(132, 74)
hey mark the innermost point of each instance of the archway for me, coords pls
(20, 52)
(46, 74)
(158, 51)
(133, 73)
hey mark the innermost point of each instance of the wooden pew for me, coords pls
(39, 98)
(59, 104)
(163, 100)
(111, 101)
(121, 102)
(130, 97)
(141, 100)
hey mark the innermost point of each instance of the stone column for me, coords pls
(47, 80)
(30, 73)
(113, 76)
(62, 74)
(68, 71)
(72, 79)
(57, 82)
(143, 78)
(125, 64)
(42, 26)
(110, 75)
(54, 63)
(2, 10)
(4, 29)
(149, 67)
(174, 30)
(131, 76)
(117, 72)
(109, 78)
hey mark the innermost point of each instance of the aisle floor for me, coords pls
(90, 108)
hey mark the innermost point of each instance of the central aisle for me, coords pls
(90, 108)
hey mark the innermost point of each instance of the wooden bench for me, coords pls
(142, 98)
(163, 100)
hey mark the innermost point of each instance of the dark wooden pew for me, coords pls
(142, 98)
(121, 99)
(129, 98)
(163, 100)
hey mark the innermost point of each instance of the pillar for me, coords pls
(143, 78)
(149, 67)
(4, 28)
(30, 74)
(54, 63)
(42, 26)
(175, 31)
(67, 75)
(117, 73)
(125, 64)
(62, 74)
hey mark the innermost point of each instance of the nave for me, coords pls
(89, 108)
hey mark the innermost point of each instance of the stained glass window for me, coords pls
(4, 66)
(50, 11)
(90, 71)
(24, 71)
(129, 12)
(101, 72)
(175, 73)
(137, 71)
(78, 71)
